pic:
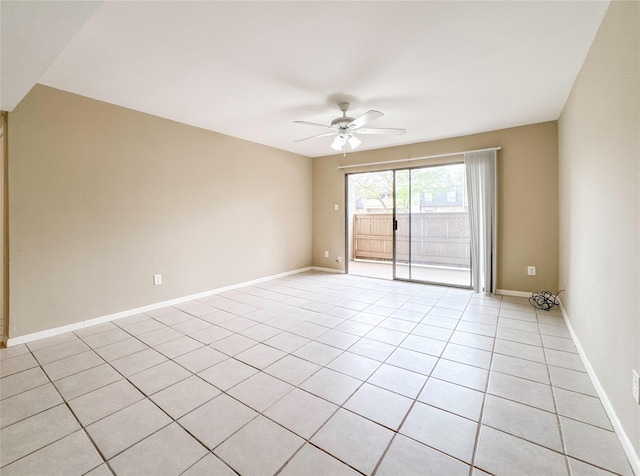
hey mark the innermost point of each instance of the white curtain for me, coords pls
(482, 189)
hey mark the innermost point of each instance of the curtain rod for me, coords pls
(417, 158)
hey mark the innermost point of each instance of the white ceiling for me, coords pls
(32, 35)
(249, 69)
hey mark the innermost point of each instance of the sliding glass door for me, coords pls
(370, 224)
(402, 225)
(431, 225)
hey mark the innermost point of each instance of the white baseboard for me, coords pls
(327, 270)
(627, 446)
(139, 310)
(506, 292)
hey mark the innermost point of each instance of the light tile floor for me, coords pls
(310, 374)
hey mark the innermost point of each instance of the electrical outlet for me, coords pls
(336, 207)
(531, 270)
(636, 387)
(339, 259)
(157, 279)
(326, 254)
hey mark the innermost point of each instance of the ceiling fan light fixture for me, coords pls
(354, 141)
(338, 143)
(345, 128)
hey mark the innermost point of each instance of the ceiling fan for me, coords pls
(347, 128)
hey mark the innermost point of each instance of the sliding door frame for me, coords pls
(347, 238)
(395, 230)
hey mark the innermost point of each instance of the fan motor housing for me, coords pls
(341, 122)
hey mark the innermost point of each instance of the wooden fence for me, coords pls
(437, 238)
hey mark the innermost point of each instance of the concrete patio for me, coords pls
(431, 274)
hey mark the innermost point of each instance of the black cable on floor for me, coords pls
(545, 300)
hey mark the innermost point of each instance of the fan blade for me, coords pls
(366, 118)
(305, 123)
(385, 131)
(332, 133)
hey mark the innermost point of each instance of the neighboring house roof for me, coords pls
(443, 199)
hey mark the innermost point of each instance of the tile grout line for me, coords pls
(341, 406)
(415, 400)
(306, 440)
(146, 397)
(395, 432)
(555, 402)
(558, 415)
(486, 393)
(474, 452)
(261, 413)
(66, 404)
(124, 377)
(348, 349)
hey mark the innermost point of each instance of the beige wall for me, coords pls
(101, 198)
(599, 165)
(527, 199)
